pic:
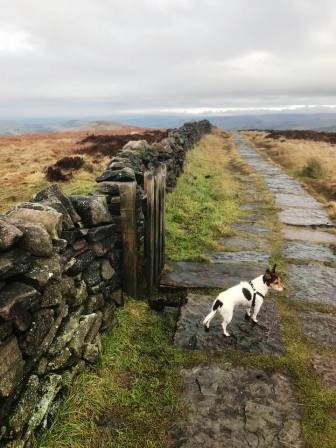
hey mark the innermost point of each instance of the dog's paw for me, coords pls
(227, 335)
(255, 320)
(206, 329)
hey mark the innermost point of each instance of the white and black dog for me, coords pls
(250, 295)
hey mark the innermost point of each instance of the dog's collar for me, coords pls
(255, 293)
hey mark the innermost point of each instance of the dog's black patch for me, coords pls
(217, 304)
(247, 294)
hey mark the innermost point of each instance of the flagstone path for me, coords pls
(239, 406)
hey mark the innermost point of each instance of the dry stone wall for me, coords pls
(60, 281)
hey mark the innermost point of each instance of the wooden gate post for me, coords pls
(129, 237)
(149, 232)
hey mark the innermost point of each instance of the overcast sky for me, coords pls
(82, 57)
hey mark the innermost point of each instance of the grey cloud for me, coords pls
(84, 56)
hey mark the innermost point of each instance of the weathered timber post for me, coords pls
(163, 204)
(129, 237)
(149, 232)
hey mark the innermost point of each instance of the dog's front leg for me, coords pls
(256, 310)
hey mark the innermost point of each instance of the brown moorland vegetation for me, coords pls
(312, 161)
(25, 159)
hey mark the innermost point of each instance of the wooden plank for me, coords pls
(163, 229)
(156, 227)
(129, 237)
(149, 232)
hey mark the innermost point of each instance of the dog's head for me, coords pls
(272, 279)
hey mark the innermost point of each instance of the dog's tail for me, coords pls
(215, 307)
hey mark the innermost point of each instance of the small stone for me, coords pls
(46, 395)
(41, 215)
(80, 263)
(93, 210)
(14, 262)
(56, 191)
(20, 317)
(60, 361)
(92, 275)
(42, 270)
(88, 327)
(25, 407)
(101, 232)
(123, 175)
(92, 350)
(111, 188)
(17, 293)
(43, 320)
(107, 271)
(111, 293)
(64, 336)
(94, 303)
(11, 366)
(9, 234)
(71, 235)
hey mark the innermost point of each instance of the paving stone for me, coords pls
(296, 250)
(239, 257)
(304, 217)
(319, 327)
(311, 235)
(239, 243)
(296, 200)
(312, 283)
(245, 335)
(325, 366)
(254, 228)
(236, 407)
(207, 275)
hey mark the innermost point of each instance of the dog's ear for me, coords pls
(268, 274)
(273, 270)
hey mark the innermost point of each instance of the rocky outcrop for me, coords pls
(60, 281)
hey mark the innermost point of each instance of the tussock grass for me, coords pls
(132, 396)
(204, 203)
(296, 157)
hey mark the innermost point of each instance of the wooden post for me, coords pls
(129, 237)
(157, 226)
(163, 218)
(149, 232)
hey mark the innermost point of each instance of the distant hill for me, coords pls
(320, 121)
(314, 121)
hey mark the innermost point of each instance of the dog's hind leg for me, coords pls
(227, 317)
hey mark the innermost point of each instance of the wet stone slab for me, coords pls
(305, 252)
(311, 235)
(238, 243)
(207, 275)
(283, 184)
(254, 228)
(312, 283)
(305, 217)
(236, 407)
(245, 335)
(319, 327)
(325, 367)
(296, 200)
(240, 257)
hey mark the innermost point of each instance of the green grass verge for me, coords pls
(205, 202)
(131, 396)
